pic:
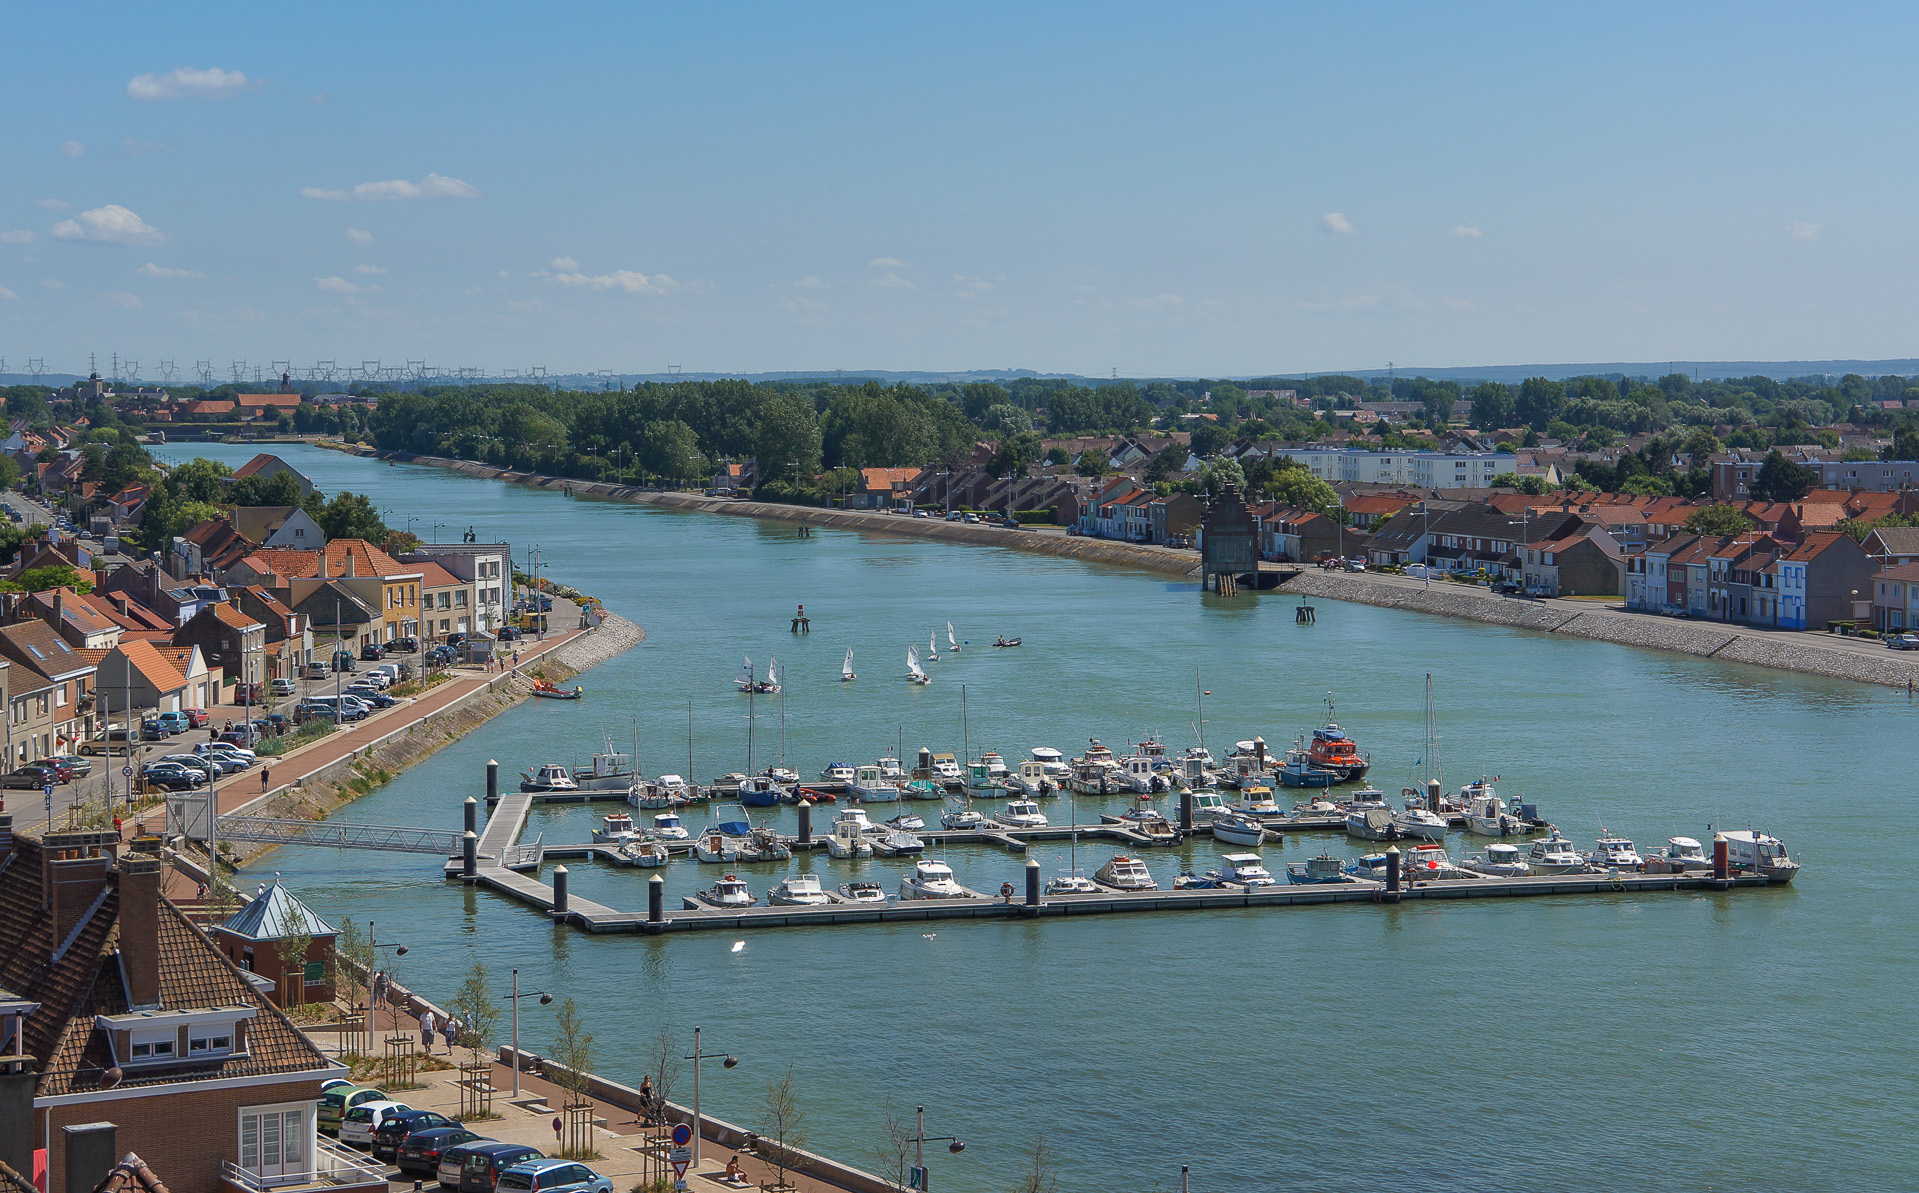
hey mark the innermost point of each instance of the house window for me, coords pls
(316, 973)
(210, 1044)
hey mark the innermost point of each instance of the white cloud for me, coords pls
(626, 280)
(7, 294)
(112, 224)
(887, 263)
(134, 147)
(369, 269)
(187, 83)
(809, 283)
(979, 284)
(359, 236)
(1467, 231)
(150, 270)
(433, 186)
(1801, 230)
(1158, 302)
(52, 204)
(565, 265)
(892, 281)
(53, 283)
(120, 298)
(336, 285)
(1337, 224)
(72, 148)
(17, 236)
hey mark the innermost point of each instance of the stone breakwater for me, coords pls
(1786, 651)
(1711, 640)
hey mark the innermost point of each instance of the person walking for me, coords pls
(379, 988)
(453, 1029)
(426, 1029)
(266, 776)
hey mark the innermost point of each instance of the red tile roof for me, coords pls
(153, 666)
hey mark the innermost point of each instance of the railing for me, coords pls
(338, 834)
(333, 1166)
(524, 857)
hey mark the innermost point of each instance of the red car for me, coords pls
(197, 717)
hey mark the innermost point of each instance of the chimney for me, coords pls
(121, 602)
(73, 874)
(140, 928)
(349, 561)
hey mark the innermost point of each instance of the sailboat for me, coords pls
(1072, 880)
(932, 646)
(772, 685)
(914, 671)
(745, 680)
(963, 817)
(846, 668)
(952, 642)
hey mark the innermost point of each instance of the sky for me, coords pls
(1153, 190)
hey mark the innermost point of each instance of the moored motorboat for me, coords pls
(907, 822)
(1071, 882)
(1757, 853)
(610, 770)
(614, 828)
(1020, 813)
(1233, 829)
(667, 826)
(802, 890)
(932, 879)
(549, 778)
(1499, 861)
(1610, 852)
(1137, 773)
(869, 785)
(851, 836)
(1372, 824)
(863, 892)
(1486, 813)
(893, 842)
(1316, 806)
(1125, 873)
(1052, 764)
(1189, 881)
(1315, 871)
(764, 845)
(1555, 855)
(1425, 863)
(1333, 749)
(837, 772)
(1245, 869)
(1419, 824)
(760, 791)
(645, 853)
(547, 690)
(1681, 855)
(962, 819)
(717, 848)
(1299, 771)
(1208, 806)
(1030, 780)
(1256, 799)
(728, 892)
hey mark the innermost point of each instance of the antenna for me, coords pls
(325, 368)
(281, 366)
(673, 370)
(115, 358)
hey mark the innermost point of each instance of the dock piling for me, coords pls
(469, 848)
(492, 781)
(1186, 811)
(1392, 872)
(1432, 795)
(1032, 886)
(656, 900)
(806, 824)
(1721, 857)
(472, 809)
(559, 892)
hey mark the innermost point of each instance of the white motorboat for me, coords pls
(1318, 805)
(1208, 806)
(614, 828)
(932, 879)
(914, 672)
(1486, 813)
(1136, 773)
(1420, 825)
(610, 770)
(863, 892)
(1315, 871)
(764, 845)
(645, 853)
(1233, 829)
(1020, 813)
(995, 767)
(1369, 795)
(1371, 824)
(962, 819)
(667, 827)
(891, 770)
(907, 822)
(1071, 882)
(1425, 863)
(837, 772)
(667, 791)
(1030, 780)
(1681, 854)
(1760, 854)
(851, 836)
(802, 890)
(846, 668)
(868, 785)
(783, 775)
(1126, 873)
(1256, 799)
(947, 772)
(551, 777)
(1052, 763)
(893, 842)
(717, 848)
(1247, 869)
(1499, 861)
(1555, 855)
(1096, 772)
(1611, 852)
(728, 892)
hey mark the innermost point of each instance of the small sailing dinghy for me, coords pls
(952, 642)
(846, 668)
(914, 671)
(932, 646)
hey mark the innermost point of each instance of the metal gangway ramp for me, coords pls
(343, 834)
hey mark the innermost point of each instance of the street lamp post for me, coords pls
(545, 1000)
(697, 1057)
(373, 951)
(921, 1139)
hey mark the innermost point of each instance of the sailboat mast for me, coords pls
(749, 728)
(966, 736)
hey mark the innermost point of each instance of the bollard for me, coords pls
(492, 781)
(559, 891)
(806, 824)
(1032, 883)
(656, 900)
(926, 758)
(1721, 857)
(1392, 870)
(472, 815)
(469, 853)
(1432, 795)
(1186, 811)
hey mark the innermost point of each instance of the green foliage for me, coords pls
(1780, 479)
(352, 516)
(1093, 462)
(479, 1013)
(1538, 402)
(1532, 486)
(13, 537)
(40, 579)
(291, 943)
(1719, 519)
(278, 489)
(1905, 445)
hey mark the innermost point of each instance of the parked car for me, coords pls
(221, 749)
(394, 1130)
(81, 767)
(359, 1122)
(969, 517)
(283, 687)
(170, 775)
(509, 633)
(241, 735)
(196, 717)
(343, 661)
(475, 1166)
(212, 768)
(371, 698)
(419, 1153)
(318, 670)
(1908, 641)
(457, 639)
(1012, 524)
(403, 646)
(174, 722)
(372, 652)
(334, 1104)
(553, 1176)
(117, 740)
(35, 775)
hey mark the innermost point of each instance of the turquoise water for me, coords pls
(1752, 1041)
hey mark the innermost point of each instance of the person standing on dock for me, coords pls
(453, 1027)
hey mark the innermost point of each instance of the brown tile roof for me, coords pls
(153, 665)
(289, 563)
(137, 616)
(74, 610)
(85, 980)
(432, 575)
(1815, 544)
(273, 603)
(368, 560)
(1905, 571)
(267, 402)
(35, 645)
(230, 616)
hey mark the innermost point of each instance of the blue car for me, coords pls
(552, 1176)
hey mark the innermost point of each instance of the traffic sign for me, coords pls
(682, 1134)
(679, 1186)
(679, 1167)
(48, 789)
(126, 772)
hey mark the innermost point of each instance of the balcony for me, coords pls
(334, 1167)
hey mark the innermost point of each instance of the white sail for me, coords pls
(746, 670)
(913, 668)
(846, 668)
(950, 639)
(772, 671)
(932, 646)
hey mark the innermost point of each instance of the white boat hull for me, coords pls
(946, 890)
(1238, 835)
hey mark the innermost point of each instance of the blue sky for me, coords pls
(1158, 189)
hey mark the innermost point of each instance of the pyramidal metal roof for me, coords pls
(276, 915)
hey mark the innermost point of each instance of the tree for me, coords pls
(1905, 446)
(1719, 519)
(352, 516)
(785, 1121)
(279, 489)
(1780, 479)
(199, 480)
(895, 1146)
(353, 956)
(1039, 1176)
(292, 942)
(40, 579)
(479, 1014)
(1004, 418)
(1539, 401)
(788, 432)
(1092, 462)
(1295, 485)
(573, 1049)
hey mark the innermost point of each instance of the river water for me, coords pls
(1758, 1040)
